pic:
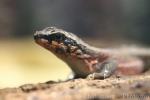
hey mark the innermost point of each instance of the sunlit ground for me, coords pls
(24, 62)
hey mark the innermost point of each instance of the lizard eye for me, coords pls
(57, 37)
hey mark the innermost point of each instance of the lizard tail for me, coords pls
(142, 53)
(136, 51)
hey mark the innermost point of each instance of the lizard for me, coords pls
(90, 62)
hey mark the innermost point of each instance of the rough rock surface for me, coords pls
(114, 88)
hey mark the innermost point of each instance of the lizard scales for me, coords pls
(88, 61)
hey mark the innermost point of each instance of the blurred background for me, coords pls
(101, 22)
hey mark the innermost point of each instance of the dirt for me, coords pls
(114, 88)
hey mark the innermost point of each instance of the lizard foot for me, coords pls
(106, 70)
(95, 76)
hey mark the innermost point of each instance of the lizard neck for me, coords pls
(83, 58)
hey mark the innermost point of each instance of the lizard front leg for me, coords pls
(104, 70)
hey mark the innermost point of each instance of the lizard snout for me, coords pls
(37, 36)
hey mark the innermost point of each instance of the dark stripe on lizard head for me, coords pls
(58, 40)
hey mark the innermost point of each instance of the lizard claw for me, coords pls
(96, 76)
(91, 76)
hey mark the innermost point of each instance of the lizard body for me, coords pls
(88, 61)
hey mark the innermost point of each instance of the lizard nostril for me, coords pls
(36, 36)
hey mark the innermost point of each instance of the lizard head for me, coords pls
(57, 40)
(66, 46)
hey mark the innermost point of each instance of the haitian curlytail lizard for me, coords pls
(88, 61)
